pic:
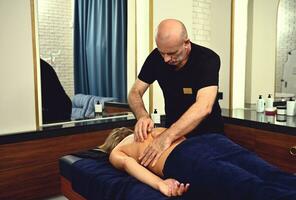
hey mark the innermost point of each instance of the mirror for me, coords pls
(285, 82)
(57, 44)
(260, 70)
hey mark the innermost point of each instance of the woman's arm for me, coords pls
(122, 161)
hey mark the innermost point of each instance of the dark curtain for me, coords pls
(100, 48)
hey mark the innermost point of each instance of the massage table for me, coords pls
(215, 167)
(89, 175)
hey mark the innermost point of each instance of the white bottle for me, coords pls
(155, 117)
(260, 104)
(291, 107)
(269, 102)
(98, 109)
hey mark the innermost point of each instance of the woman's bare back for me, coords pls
(135, 149)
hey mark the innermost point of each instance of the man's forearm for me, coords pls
(137, 105)
(188, 121)
(202, 107)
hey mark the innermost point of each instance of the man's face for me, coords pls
(173, 54)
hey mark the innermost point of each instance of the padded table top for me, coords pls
(93, 177)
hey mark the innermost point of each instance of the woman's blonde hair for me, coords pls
(114, 138)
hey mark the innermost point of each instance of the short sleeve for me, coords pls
(211, 71)
(148, 72)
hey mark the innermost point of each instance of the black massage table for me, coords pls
(89, 175)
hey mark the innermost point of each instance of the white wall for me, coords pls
(239, 53)
(17, 102)
(261, 58)
(220, 43)
(138, 41)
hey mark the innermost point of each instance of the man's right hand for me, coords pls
(143, 126)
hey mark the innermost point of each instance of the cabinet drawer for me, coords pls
(241, 135)
(277, 149)
(271, 146)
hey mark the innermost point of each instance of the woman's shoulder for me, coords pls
(127, 140)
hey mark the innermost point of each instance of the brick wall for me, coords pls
(55, 19)
(201, 21)
(286, 36)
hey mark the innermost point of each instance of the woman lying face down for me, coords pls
(213, 165)
(125, 153)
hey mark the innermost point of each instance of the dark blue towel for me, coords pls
(97, 179)
(219, 169)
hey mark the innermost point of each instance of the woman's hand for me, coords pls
(171, 187)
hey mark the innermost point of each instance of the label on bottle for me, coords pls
(155, 118)
(260, 105)
(269, 103)
(291, 108)
(98, 108)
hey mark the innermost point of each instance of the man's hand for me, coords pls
(171, 187)
(143, 126)
(154, 150)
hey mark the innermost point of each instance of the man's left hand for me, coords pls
(154, 150)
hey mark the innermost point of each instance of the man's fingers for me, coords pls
(143, 126)
(150, 158)
(150, 126)
(144, 129)
(144, 153)
(136, 133)
(156, 158)
(144, 135)
(140, 132)
(148, 151)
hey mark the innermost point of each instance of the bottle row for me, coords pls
(270, 107)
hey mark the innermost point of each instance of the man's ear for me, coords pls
(187, 42)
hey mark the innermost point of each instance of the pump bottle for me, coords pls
(155, 117)
(98, 109)
(260, 104)
(269, 102)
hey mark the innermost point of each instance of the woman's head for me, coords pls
(114, 138)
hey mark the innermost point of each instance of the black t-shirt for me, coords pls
(56, 105)
(180, 87)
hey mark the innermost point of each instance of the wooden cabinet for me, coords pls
(30, 170)
(276, 148)
(116, 107)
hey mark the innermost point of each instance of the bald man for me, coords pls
(188, 76)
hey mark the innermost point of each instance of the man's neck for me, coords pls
(183, 63)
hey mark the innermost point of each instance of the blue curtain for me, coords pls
(100, 48)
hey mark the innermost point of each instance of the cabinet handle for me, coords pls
(293, 151)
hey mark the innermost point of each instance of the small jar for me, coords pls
(281, 110)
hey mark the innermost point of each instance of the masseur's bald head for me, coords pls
(172, 31)
(172, 42)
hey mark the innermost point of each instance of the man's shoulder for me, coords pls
(153, 59)
(154, 54)
(203, 51)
